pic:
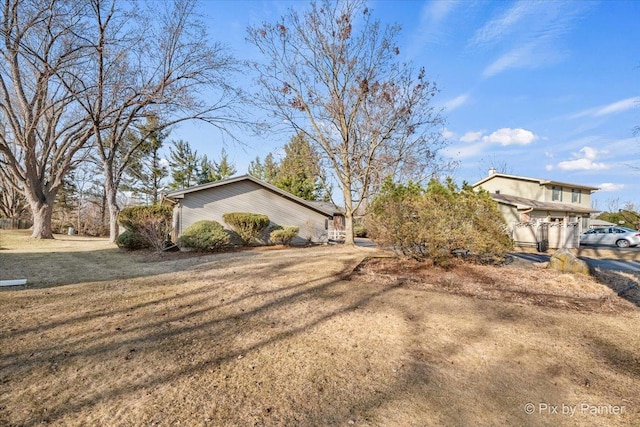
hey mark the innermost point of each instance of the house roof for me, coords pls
(601, 223)
(524, 203)
(325, 208)
(538, 180)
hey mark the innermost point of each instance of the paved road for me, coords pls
(613, 264)
(603, 263)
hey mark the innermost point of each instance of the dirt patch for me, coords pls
(518, 283)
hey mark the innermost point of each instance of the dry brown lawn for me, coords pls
(305, 337)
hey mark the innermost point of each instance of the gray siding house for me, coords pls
(248, 194)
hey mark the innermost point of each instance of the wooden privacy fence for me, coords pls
(545, 235)
(13, 224)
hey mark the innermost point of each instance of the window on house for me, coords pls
(556, 193)
(576, 196)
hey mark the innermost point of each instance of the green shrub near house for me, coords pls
(130, 240)
(248, 226)
(283, 235)
(146, 227)
(204, 236)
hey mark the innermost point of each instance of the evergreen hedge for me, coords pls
(249, 226)
(437, 222)
(205, 236)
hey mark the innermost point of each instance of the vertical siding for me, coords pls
(247, 196)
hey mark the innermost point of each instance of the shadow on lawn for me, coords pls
(209, 334)
(160, 333)
(60, 267)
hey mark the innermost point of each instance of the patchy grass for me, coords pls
(291, 337)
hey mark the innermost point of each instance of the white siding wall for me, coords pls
(247, 196)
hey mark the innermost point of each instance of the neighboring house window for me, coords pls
(556, 193)
(576, 196)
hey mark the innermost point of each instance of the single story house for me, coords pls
(525, 203)
(315, 220)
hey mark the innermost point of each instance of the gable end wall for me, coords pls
(247, 196)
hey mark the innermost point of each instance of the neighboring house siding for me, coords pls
(247, 196)
(510, 214)
(525, 202)
(527, 189)
(533, 190)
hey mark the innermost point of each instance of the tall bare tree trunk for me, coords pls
(111, 195)
(42, 212)
(114, 211)
(348, 217)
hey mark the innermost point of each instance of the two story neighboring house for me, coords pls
(530, 201)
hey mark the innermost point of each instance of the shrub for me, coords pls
(130, 240)
(205, 236)
(437, 221)
(249, 226)
(151, 224)
(359, 230)
(283, 235)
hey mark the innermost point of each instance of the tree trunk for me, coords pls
(111, 193)
(348, 228)
(114, 210)
(42, 213)
(348, 215)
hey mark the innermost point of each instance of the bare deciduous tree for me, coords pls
(495, 163)
(42, 134)
(13, 204)
(159, 72)
(333, 74)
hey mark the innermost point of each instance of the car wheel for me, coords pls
(622, 243)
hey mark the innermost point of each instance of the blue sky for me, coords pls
(549, 89)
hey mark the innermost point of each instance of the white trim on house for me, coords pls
(538, 180)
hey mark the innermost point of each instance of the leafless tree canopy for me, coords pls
(333, 73)
(42, 130)
(161, 72)
(77, 75)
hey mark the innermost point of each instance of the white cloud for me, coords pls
(456, 102)
(499, 27)
(447, 134)
(471, 136)
(610, 186)
(528, 35)
(581, 164)
(615, 107)
(519, 57)
(464, 151)
(508, 136)
(436, 11)
(585, 159)
(432, 28)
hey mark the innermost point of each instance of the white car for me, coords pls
(620, 236)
